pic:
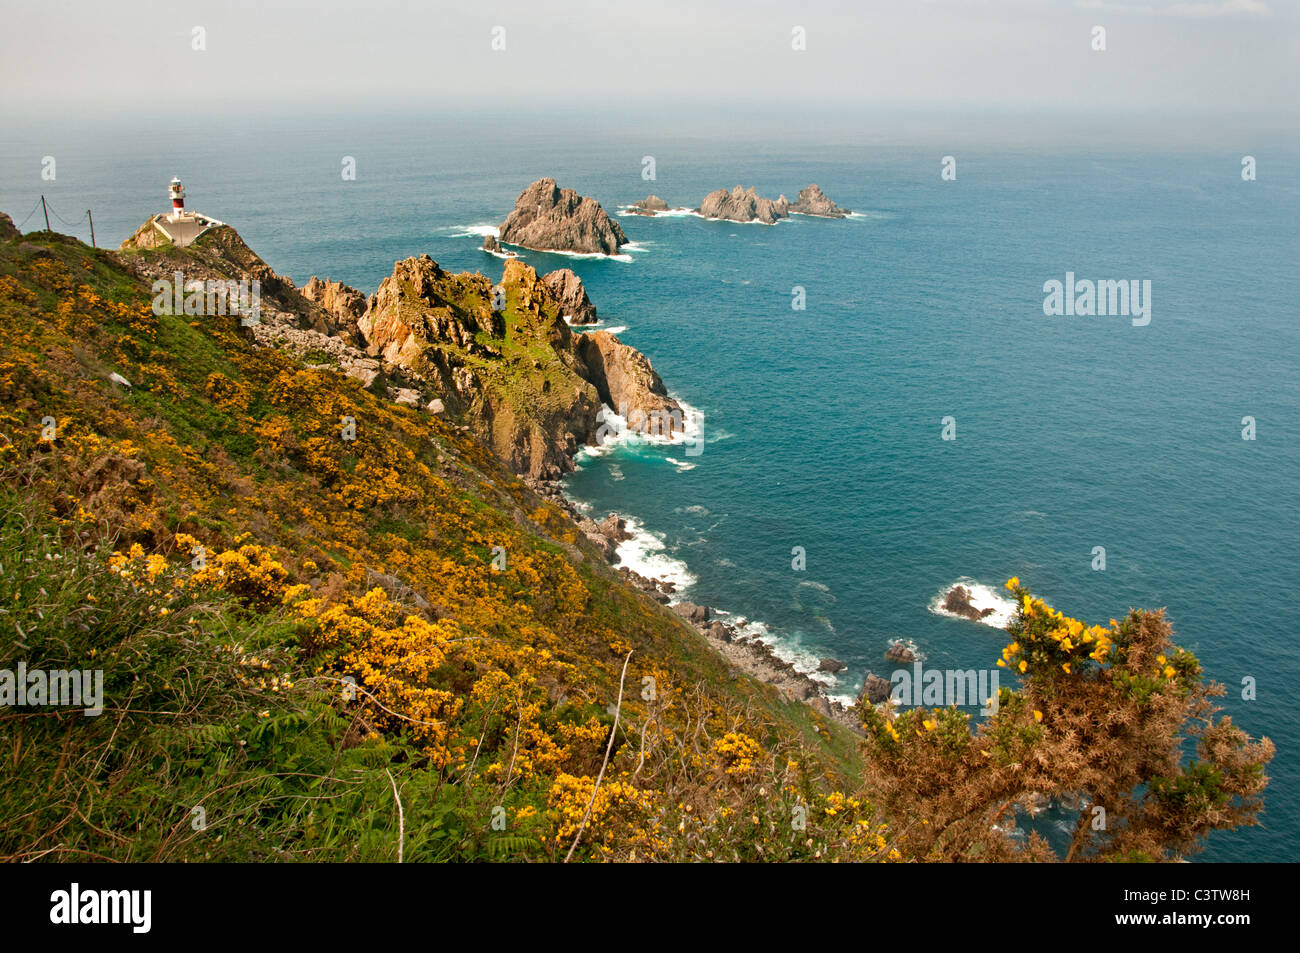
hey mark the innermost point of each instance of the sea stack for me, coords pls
(813, 201)
(743, 205)
(549, 218)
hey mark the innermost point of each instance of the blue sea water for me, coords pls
(822, 427)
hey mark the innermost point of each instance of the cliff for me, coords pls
(549, 218)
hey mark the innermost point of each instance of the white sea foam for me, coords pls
(981, 597)
(617, 329)
(469, 231)
(626, 212)
(681, 466)
(786, 649)
(646, 554)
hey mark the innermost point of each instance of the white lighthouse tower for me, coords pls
(176, 192)
(179, 226)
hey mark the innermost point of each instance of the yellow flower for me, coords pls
(1013, 582)
(1066, 666)
(1038, 715)
(930, 724)
(1023, 665)
(1169, 671)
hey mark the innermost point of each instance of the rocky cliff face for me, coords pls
(548, 218)
(496, 358)
(744, 205)
(345, 304)
(571, 295)
(626, 382)
(813, 201)
(7, 229)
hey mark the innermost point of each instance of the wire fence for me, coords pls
(49, 210)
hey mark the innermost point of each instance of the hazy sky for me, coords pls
(1212, 57)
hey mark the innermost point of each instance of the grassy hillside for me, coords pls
(209, 539)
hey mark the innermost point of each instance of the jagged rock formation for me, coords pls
(7, 229)
(627, 383)
(491, 244)
(648, 206)
(345, 304)
(572, 296)
(509, 369)
(741, 205)
(813, 201)
(548, 218)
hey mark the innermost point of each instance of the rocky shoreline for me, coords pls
(745, 653)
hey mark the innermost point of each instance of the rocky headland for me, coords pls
(510, 372)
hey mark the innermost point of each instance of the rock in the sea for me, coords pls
(831, 665)
(490, 243)
(568, 290)
(648, 206)
(876, 689)
(958, 603)
(813, 201)
(900, 652)
(549, 218)
(691, 612)
(741, 205)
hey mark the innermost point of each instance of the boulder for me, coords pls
(876, 689)
(397, 590)
(831, 665)
(549, 218)
(691, 612)
(8, 231)
(491, 244)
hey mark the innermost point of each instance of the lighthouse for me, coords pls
(177, 193)
(179, 226)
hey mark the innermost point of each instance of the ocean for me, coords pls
(823, 427)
